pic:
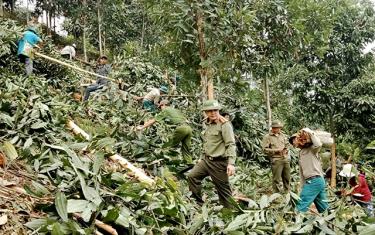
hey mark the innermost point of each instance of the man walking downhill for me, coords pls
(219, 158)
(275, 145)
(26, 44)
(182, 131)
(311, 173)
(102, 68)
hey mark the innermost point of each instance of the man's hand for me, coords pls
(222, 119)
(284, 152)
(231, 170)
(139, 128)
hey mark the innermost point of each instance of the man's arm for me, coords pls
(147, 124)
(230, 142)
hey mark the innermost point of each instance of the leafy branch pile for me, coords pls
(69, 184)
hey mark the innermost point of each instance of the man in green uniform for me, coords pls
(182, 133)
(219, 158)
(275, 145)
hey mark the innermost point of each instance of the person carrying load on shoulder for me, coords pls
(69, 52)
(183, 133)
(311, 172)
(275, 144)
(152, 98)
(26, 45)
(359, 190)
(219, 155)
(103, 68)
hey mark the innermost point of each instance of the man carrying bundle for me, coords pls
(175, 119)
(152, 98)
(275, 145)
(311, 172)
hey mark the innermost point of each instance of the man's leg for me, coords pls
(277, 169)
(218, 174)
(29, 66)
(186, 142)
(310, 191)
(286, 176)
(195, 177)
(149, 105)
(321, 199)
(90, 89)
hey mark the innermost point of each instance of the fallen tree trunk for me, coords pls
(108, 228)
(77, 130)
(139, 174)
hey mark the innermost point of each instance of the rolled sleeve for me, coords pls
(230, 142)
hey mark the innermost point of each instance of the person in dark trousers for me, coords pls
(275, 145)
(311, 172)
(175, 120)
(104, 69)
(26, 45)
(219, 155)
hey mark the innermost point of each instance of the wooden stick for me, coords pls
(108, 228)
(179, 96)
(333, 165)
(77, 130)
(72, 66)
(138, 173)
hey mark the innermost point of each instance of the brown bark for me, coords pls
(99, 29)
(268, 101)
(1, 8)
(205, 73)
(333, 166)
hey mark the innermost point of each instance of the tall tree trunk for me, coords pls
(84, 33)
(143, 32)
(12, 6)
(50, 22)
(205, 73)
(333, 152)
(268, 101)
(100, 29)
(1, 8)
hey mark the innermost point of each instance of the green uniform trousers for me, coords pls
(182, 134)
(280, 175)
(217, 170)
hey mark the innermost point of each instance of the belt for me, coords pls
(313, 177)
(219, 158)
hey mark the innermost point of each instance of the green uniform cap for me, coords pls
(164, 89)
(276, 123)
(211, 105)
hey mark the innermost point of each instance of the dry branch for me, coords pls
(108, 228)
(77, 130)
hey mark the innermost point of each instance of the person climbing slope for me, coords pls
(152, 98)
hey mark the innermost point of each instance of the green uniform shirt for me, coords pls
(171, 116)
(274, 142)
(219, 141)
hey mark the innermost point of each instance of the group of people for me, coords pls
(219, 142)
(276, 145)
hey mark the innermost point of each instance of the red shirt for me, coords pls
(363, 189)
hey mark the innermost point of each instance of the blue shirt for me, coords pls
(28, 41)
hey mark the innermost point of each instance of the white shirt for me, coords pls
(153, 95)
(69, 50)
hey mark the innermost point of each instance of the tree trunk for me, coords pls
(205, 73)
(1, 8)
(12, 6)
(100, 30)
(104, 50)
(333, 152)
(143, 33)
(84, 33)
(268, 102)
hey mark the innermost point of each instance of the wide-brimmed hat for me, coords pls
(211, 105)
(164, 89)
(348, 170)
(277, 123)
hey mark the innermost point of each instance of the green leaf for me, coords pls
(74, 206)
(61, 206)
(99, 159)
(28, 143)
(56, 229)
(368, 230)
(237, 223)
(10, 150)
(112, 215)
(37, 223)
(263, 202)
(39, 125)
